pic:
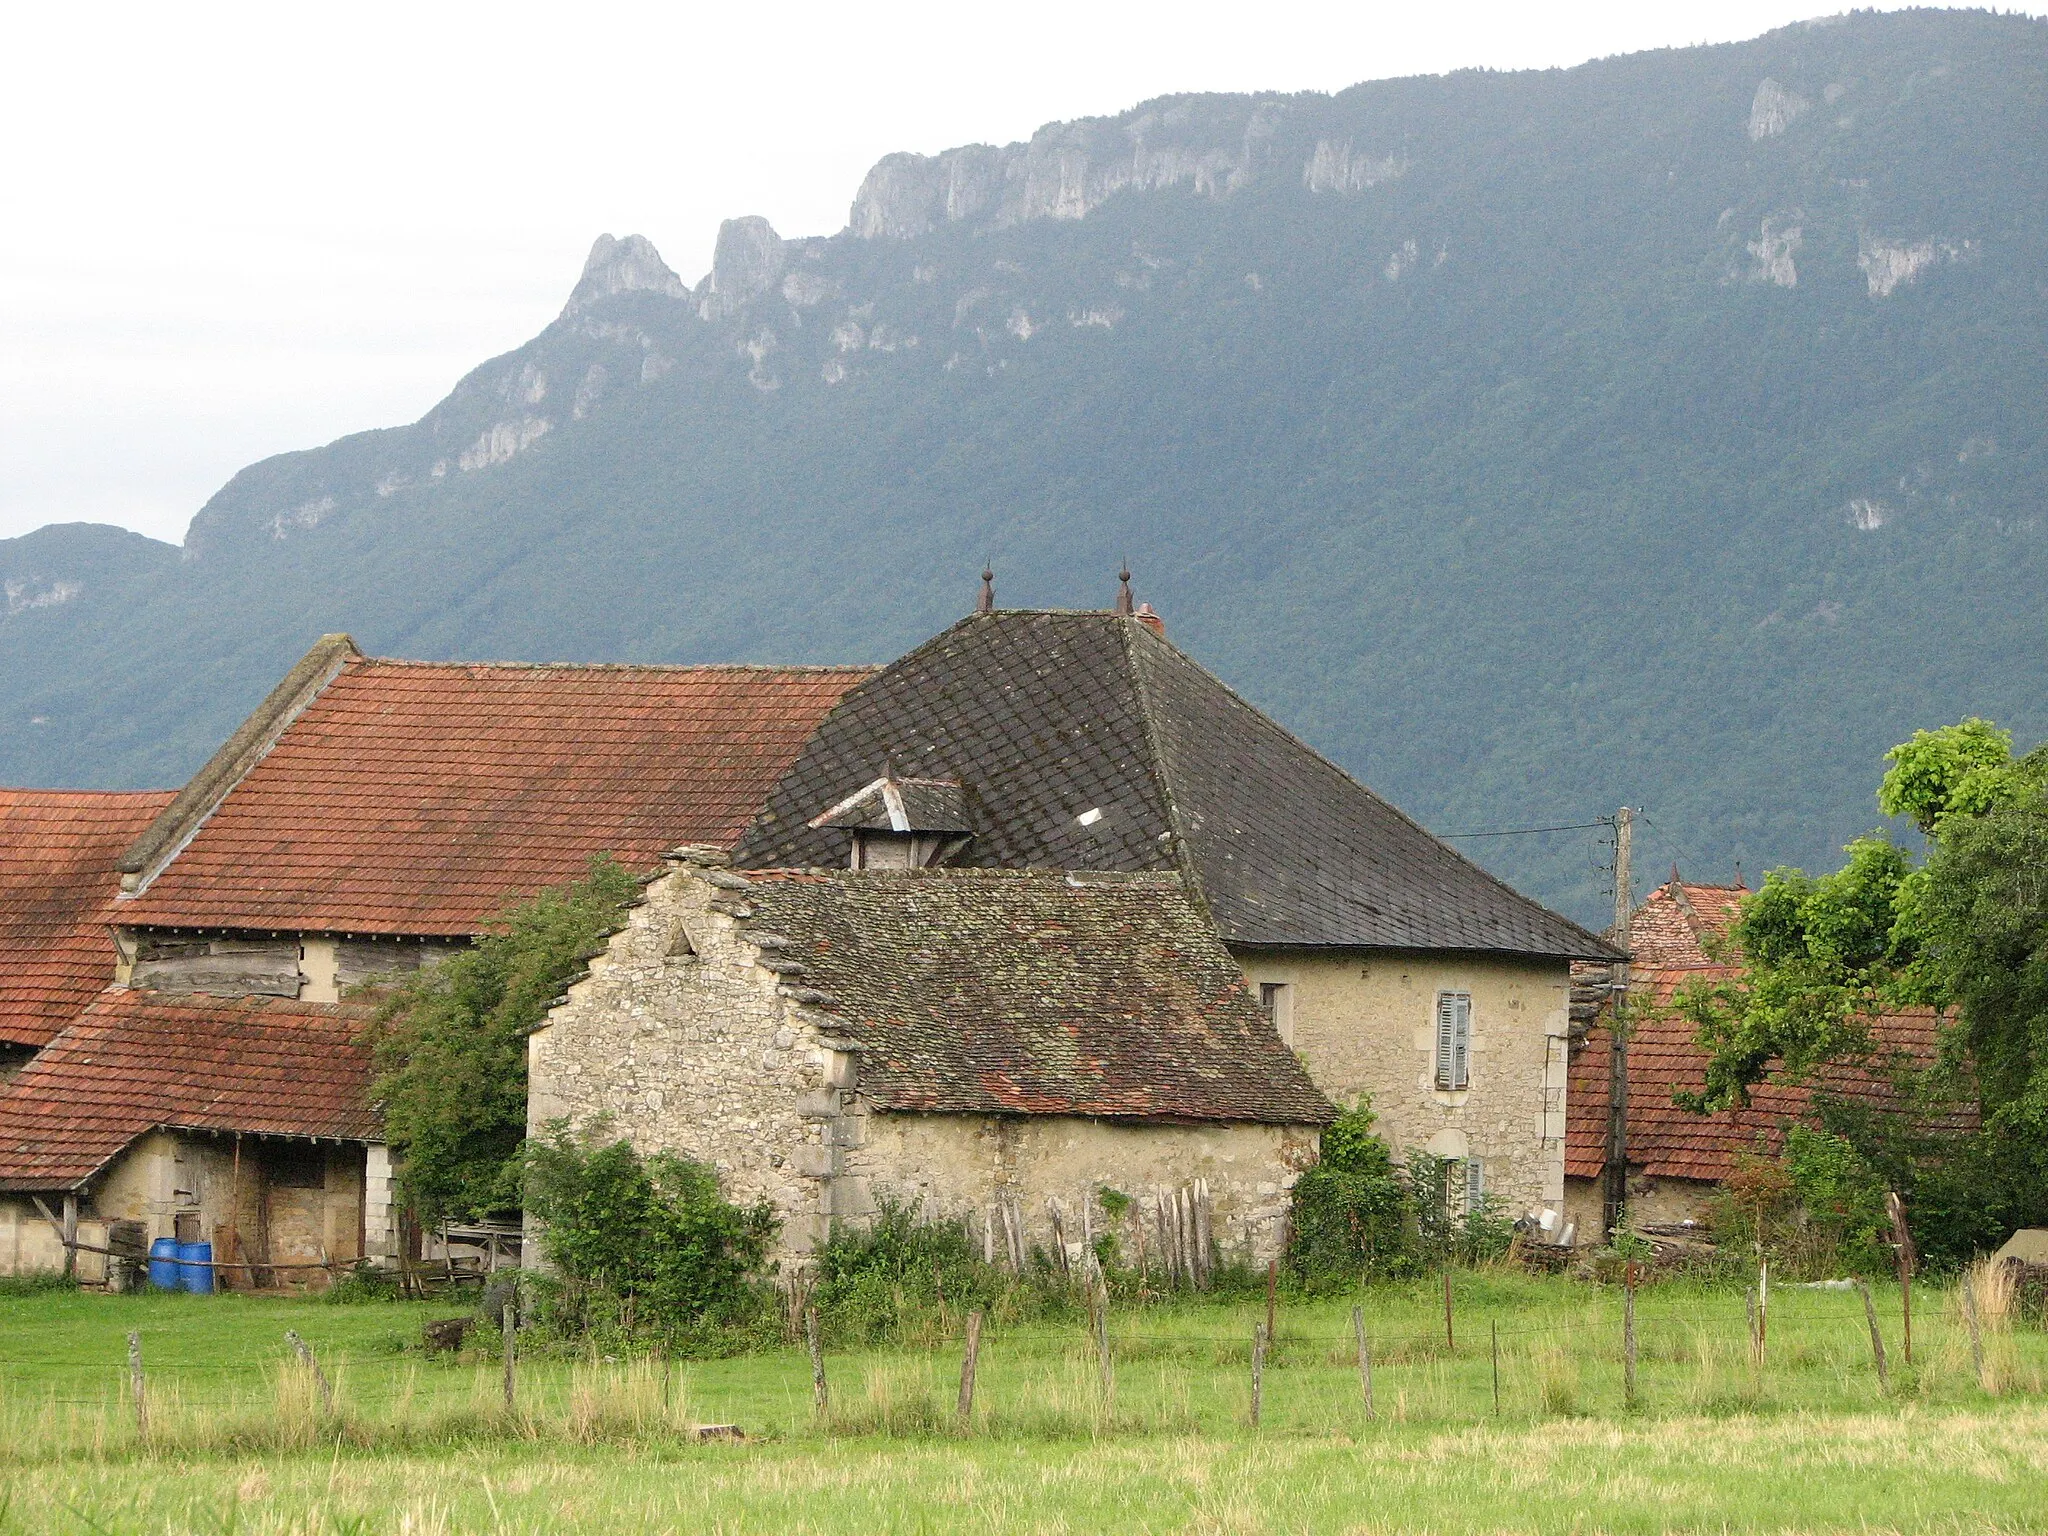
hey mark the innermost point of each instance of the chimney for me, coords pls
(1151, 620)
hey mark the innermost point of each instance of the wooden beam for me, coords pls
(56, 1226)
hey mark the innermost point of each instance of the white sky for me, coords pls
(231, 230)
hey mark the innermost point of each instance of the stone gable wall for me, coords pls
(686, 1040)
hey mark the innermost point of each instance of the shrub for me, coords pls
(1351, 1213)
(646, 1244)
(898, 1279)
(1755, 1206)
(36, 1282)
(365, 1282)
(1843, 1198)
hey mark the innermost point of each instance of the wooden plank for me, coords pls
(221, 967)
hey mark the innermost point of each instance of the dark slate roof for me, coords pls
(1005, 992)
(1047, 717)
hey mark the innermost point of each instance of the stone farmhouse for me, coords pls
(1041, 909)
(911, 1027)
(1676, 1160)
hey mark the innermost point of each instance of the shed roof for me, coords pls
(1678, 935)
(1086, 741)
(1013, 992)
(57, 852)
(406, 797)
(139, 1061)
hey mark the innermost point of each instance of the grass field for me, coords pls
(239, 1440)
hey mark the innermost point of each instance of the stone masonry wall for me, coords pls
(960, 1166)
(1365, 1023)
(685, 1038)
(684, 1042)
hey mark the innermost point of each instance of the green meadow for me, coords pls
(1519, 1421)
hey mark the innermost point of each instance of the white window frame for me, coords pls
(1453, 1042)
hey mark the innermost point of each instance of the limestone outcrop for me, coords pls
(631, 265)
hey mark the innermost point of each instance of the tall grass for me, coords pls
(1180, 1369)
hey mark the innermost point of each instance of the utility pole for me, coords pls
(1614, 1201)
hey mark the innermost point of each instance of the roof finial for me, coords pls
(986, 603)
(1124, 605)
(1674, 872)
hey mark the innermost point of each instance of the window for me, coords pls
(1453, 1040)
(1475, 1184)
(1276, 1001)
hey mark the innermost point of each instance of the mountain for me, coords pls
(1667, 429)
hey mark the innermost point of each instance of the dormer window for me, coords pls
(901, 823)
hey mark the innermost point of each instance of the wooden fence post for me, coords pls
(1104, 1363)
(305, 1354)
(1902, 1245)
(965, 1412)
(1876, 1338)
(510, 1323)
(1628, 1333)
(1364, 1357)
(1976, 1333)
(818, 1396)
(135, 1388)
(1258, 1370)
(1763, 1310)
(1450, 1338)
(1755, 1351)
(1494, 1324)
(1272, 1299)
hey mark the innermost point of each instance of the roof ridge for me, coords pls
(8, 790)
(621, 666)
(237, 757)
(1183, 854)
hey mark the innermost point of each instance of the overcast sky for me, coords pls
(233, 230)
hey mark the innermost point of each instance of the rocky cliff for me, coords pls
(1665, 429)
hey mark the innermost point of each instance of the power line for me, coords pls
(1570, 826)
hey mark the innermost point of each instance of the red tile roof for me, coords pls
(57, 852)
(419, 798)
(1671, 935)
(136, 1061)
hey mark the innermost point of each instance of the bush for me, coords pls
(365, 1282)
(902, 1280)
(641, 1244)
(1451, 1228)
(1351, 1213)
(36, 1282)
(1843, 1200)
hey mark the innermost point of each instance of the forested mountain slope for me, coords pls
(1668, 429)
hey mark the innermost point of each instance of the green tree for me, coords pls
(451, 1046)
(1965, 932)
(1959, 767)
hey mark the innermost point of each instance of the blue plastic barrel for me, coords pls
(163, 1264)
(195, 1267)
